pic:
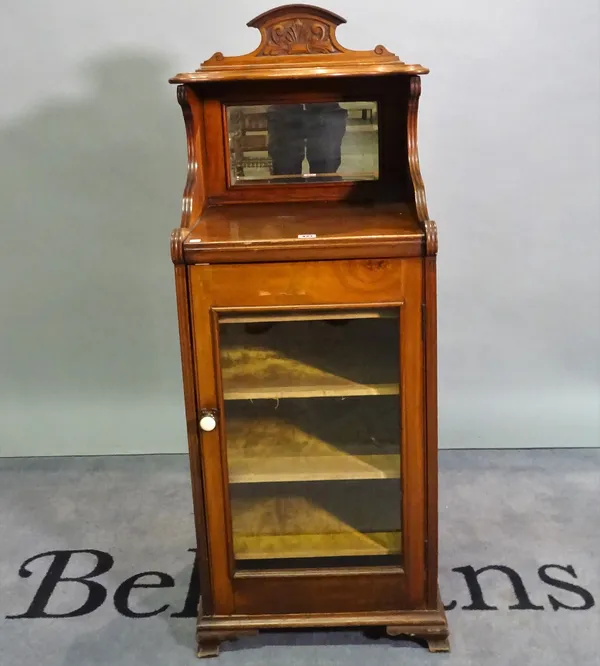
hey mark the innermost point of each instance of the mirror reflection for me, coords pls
(303, 142)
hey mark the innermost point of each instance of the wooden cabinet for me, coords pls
(305, 275)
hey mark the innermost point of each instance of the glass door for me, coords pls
(312, 430)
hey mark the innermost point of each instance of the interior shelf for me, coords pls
(297, 520)
(304, 440)
(260, 316)
(317, 545)
(314, 468)
(316, 358)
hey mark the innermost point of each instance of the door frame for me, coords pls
(314, 590)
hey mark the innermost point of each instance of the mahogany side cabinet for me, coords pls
(305, 269)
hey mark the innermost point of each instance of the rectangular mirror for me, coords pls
(293, 143)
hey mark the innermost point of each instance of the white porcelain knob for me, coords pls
(208, 423)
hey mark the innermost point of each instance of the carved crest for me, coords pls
(299, 41)
(297, 36)
(303, 31)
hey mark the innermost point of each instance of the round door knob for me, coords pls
(208, 423)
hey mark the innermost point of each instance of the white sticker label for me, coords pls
(307, 235)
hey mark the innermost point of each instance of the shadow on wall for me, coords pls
(90, 192)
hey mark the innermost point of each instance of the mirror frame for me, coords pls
(394, 182)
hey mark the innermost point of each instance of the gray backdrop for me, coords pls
(92, 152)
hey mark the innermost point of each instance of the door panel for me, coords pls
(312, 432)
(316, 374)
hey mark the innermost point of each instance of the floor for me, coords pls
(534, 515)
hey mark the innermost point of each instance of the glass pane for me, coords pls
(313, 437)
(303, 142)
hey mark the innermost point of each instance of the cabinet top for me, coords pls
(298, 42)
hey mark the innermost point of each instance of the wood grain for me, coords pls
(257, 232)
(428, 625)
(212, 456)
(406, 621)
(326, 443)
(194, 193)
(226, 289)
(298, 41)
(203, 561)
(431, 427)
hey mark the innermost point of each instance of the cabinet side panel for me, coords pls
(191, 415)
(431, 428)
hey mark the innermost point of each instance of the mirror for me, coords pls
(315, 142)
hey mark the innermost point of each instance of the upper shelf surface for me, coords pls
(223, 232)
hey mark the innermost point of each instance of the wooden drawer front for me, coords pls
(304, 283)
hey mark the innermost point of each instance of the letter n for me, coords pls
(477, 602)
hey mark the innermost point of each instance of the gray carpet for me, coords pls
(523, 510)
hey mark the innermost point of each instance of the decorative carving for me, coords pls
(291, 37)
(431, 241)
(431, 237)
(380, 50)
(192, 165)
(178, 237)
(297, 36)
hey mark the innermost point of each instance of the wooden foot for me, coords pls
(438, 644)
(209, 642)
(208, 647)
(435, 642)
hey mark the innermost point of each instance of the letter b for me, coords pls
(96, 591)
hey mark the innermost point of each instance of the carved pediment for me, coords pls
(301, 31)
(298, 41)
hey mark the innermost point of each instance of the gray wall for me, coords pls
(92, 153)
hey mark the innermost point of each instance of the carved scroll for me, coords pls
(429, 226)
(192, 164)
(178, 237)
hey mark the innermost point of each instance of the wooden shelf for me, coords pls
(304, 440)
(317, 468)
(316, 519)
(226, 233)
(319, 388)
(303, 359)
(263, 316)
(264, 223)
(316, 545)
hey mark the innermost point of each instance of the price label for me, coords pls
(307, 235)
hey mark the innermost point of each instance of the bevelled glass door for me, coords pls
(312, 430)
